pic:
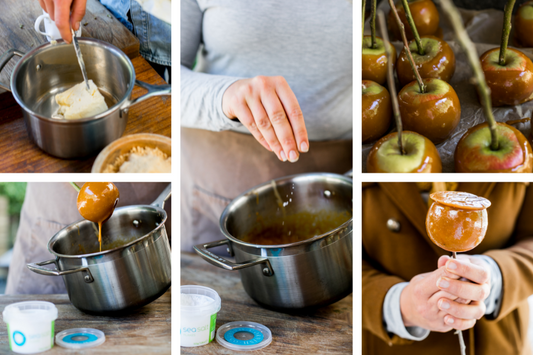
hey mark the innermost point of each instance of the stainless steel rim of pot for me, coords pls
(82, 42)
(109, 251)
(224, 216)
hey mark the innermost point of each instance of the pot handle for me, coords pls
(6, 57)
(163, 197)
(153, 90)
(36, 267)
(226, 264)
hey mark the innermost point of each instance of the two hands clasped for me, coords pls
(451, 297)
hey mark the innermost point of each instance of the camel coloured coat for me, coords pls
(390, 257)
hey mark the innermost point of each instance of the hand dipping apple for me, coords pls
(96, 203)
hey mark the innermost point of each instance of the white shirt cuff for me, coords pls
(392, 316)
(494, 301)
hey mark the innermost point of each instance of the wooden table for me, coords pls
(145, 331)
(326, 331)
(19, 154)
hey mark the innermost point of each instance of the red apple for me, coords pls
(438, 61)
(473, 153)
(425, 16)
(434, 113)
(420, 156)
(377, 111)
(511, 84)
(375, 60)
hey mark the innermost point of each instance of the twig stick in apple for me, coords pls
(413, 27)
(508, 14)
(473, 58)
(373, 23)
(406, 45)
(390, 81)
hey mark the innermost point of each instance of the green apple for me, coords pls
(420, 156)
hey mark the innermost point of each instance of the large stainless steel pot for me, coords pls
(310, 273)
(120, 279)
(53, 68)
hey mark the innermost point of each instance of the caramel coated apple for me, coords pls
(523, 24)
(374, 60)
(425, 16)
(420, 156)
(438, 61)
(473, 153)
(376, 111)
(457, 221)
(511, 84)
(434, 113)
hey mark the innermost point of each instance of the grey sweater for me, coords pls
(308, 42)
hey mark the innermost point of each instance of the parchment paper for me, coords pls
(484, 28)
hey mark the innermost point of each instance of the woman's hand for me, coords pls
(60, 13)
(440, 301)
(268, 108)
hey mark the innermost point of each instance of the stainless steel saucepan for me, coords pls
(309, 273)
(132, 270)
(53, 68)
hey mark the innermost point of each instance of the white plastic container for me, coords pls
(198, 315)
(30, 326)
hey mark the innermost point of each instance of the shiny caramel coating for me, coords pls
(421, 158)
(523, 24)
(455, 229)
(374, 60)
(97, 201)
(376, 111)
(473, 153)
(438, 61)
(425, 16)
(434, 113)
(511, 84)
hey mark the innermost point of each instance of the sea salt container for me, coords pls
(30, 326)
(198, 315)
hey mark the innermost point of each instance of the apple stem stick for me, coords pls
(390, 81)
(407, 50)
(373, 24)
(413, 27)
(459, 333)
(76, 187)
(506, 29)
(473, 58)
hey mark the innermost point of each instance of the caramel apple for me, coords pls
(523, 24)
(511, 83)
(474, 154)
(374, 61)
(401, 152)
(425, 16)
(457, 221)
(376, 111)
(433, 113)
(437, 61)
(419, 156)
